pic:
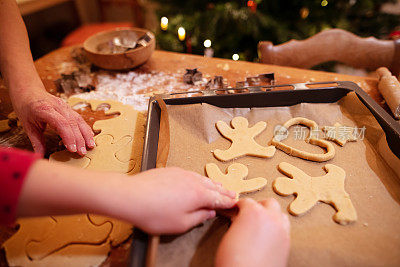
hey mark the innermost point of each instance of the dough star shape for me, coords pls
(242, 138)
(339, 134)
(330, 149)
(310, 190)
(234, 179)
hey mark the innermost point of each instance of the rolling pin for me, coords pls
(389, 87)
(333, 45)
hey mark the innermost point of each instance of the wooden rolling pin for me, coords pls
(389, 87)
(333, 45)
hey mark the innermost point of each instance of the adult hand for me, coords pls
(258, 236)
(166, 200)
(37, 108)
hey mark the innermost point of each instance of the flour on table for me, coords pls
(135, 88)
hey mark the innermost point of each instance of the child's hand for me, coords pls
(258, 236)
(167, 200)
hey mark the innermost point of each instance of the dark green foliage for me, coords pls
(234, 28)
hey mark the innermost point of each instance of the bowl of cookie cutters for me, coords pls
(121, 48)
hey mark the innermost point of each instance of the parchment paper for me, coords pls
(316, 240)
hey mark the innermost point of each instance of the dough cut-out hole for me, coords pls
(104, 107)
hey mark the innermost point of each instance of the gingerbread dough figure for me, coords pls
(309, 190)
(234, 179)
(242, 138)
(340, 134)
(330, 150)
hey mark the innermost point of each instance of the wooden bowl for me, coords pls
(118, 61)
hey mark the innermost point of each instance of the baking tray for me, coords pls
(247, 97)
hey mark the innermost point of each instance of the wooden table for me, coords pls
(27, 7)
(49, 70)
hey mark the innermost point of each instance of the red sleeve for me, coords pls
(14, 165)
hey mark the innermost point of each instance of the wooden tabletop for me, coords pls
(60, 61)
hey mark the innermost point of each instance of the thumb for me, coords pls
(200, 216)
(37, 139)
(246, 203)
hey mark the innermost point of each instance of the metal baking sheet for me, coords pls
(267, 96)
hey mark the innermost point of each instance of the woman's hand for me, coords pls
(166, 200)
(37, 108)
(258, 236)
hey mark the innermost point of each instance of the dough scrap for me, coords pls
(234, 179)
(242, 138)
(310, 190)
(120, 232)
(119, 126)
(72, 255)
(21, 249)
(339, 134)
(58, 238)
(4, 126)
(72, 159)
(122, 156)
(102, 157)
(330, 149)
(37, 228)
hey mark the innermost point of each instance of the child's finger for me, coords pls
(286, 223)
(210, 184)
(200, 216)
(246, 203)
(271, 203)
(214, 200)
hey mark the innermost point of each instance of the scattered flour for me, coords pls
(135, 88)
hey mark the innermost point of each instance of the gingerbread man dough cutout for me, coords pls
(310, 190)
(234, 179)
(330, 149)
(339, 134)
(242, 138)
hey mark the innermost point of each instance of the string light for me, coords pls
(324, 3)
(235, 57)
(304, 12)
(252, 5)
(207, 43)
(164, 23)
(181, 33)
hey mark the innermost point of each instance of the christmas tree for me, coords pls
(235, 27)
